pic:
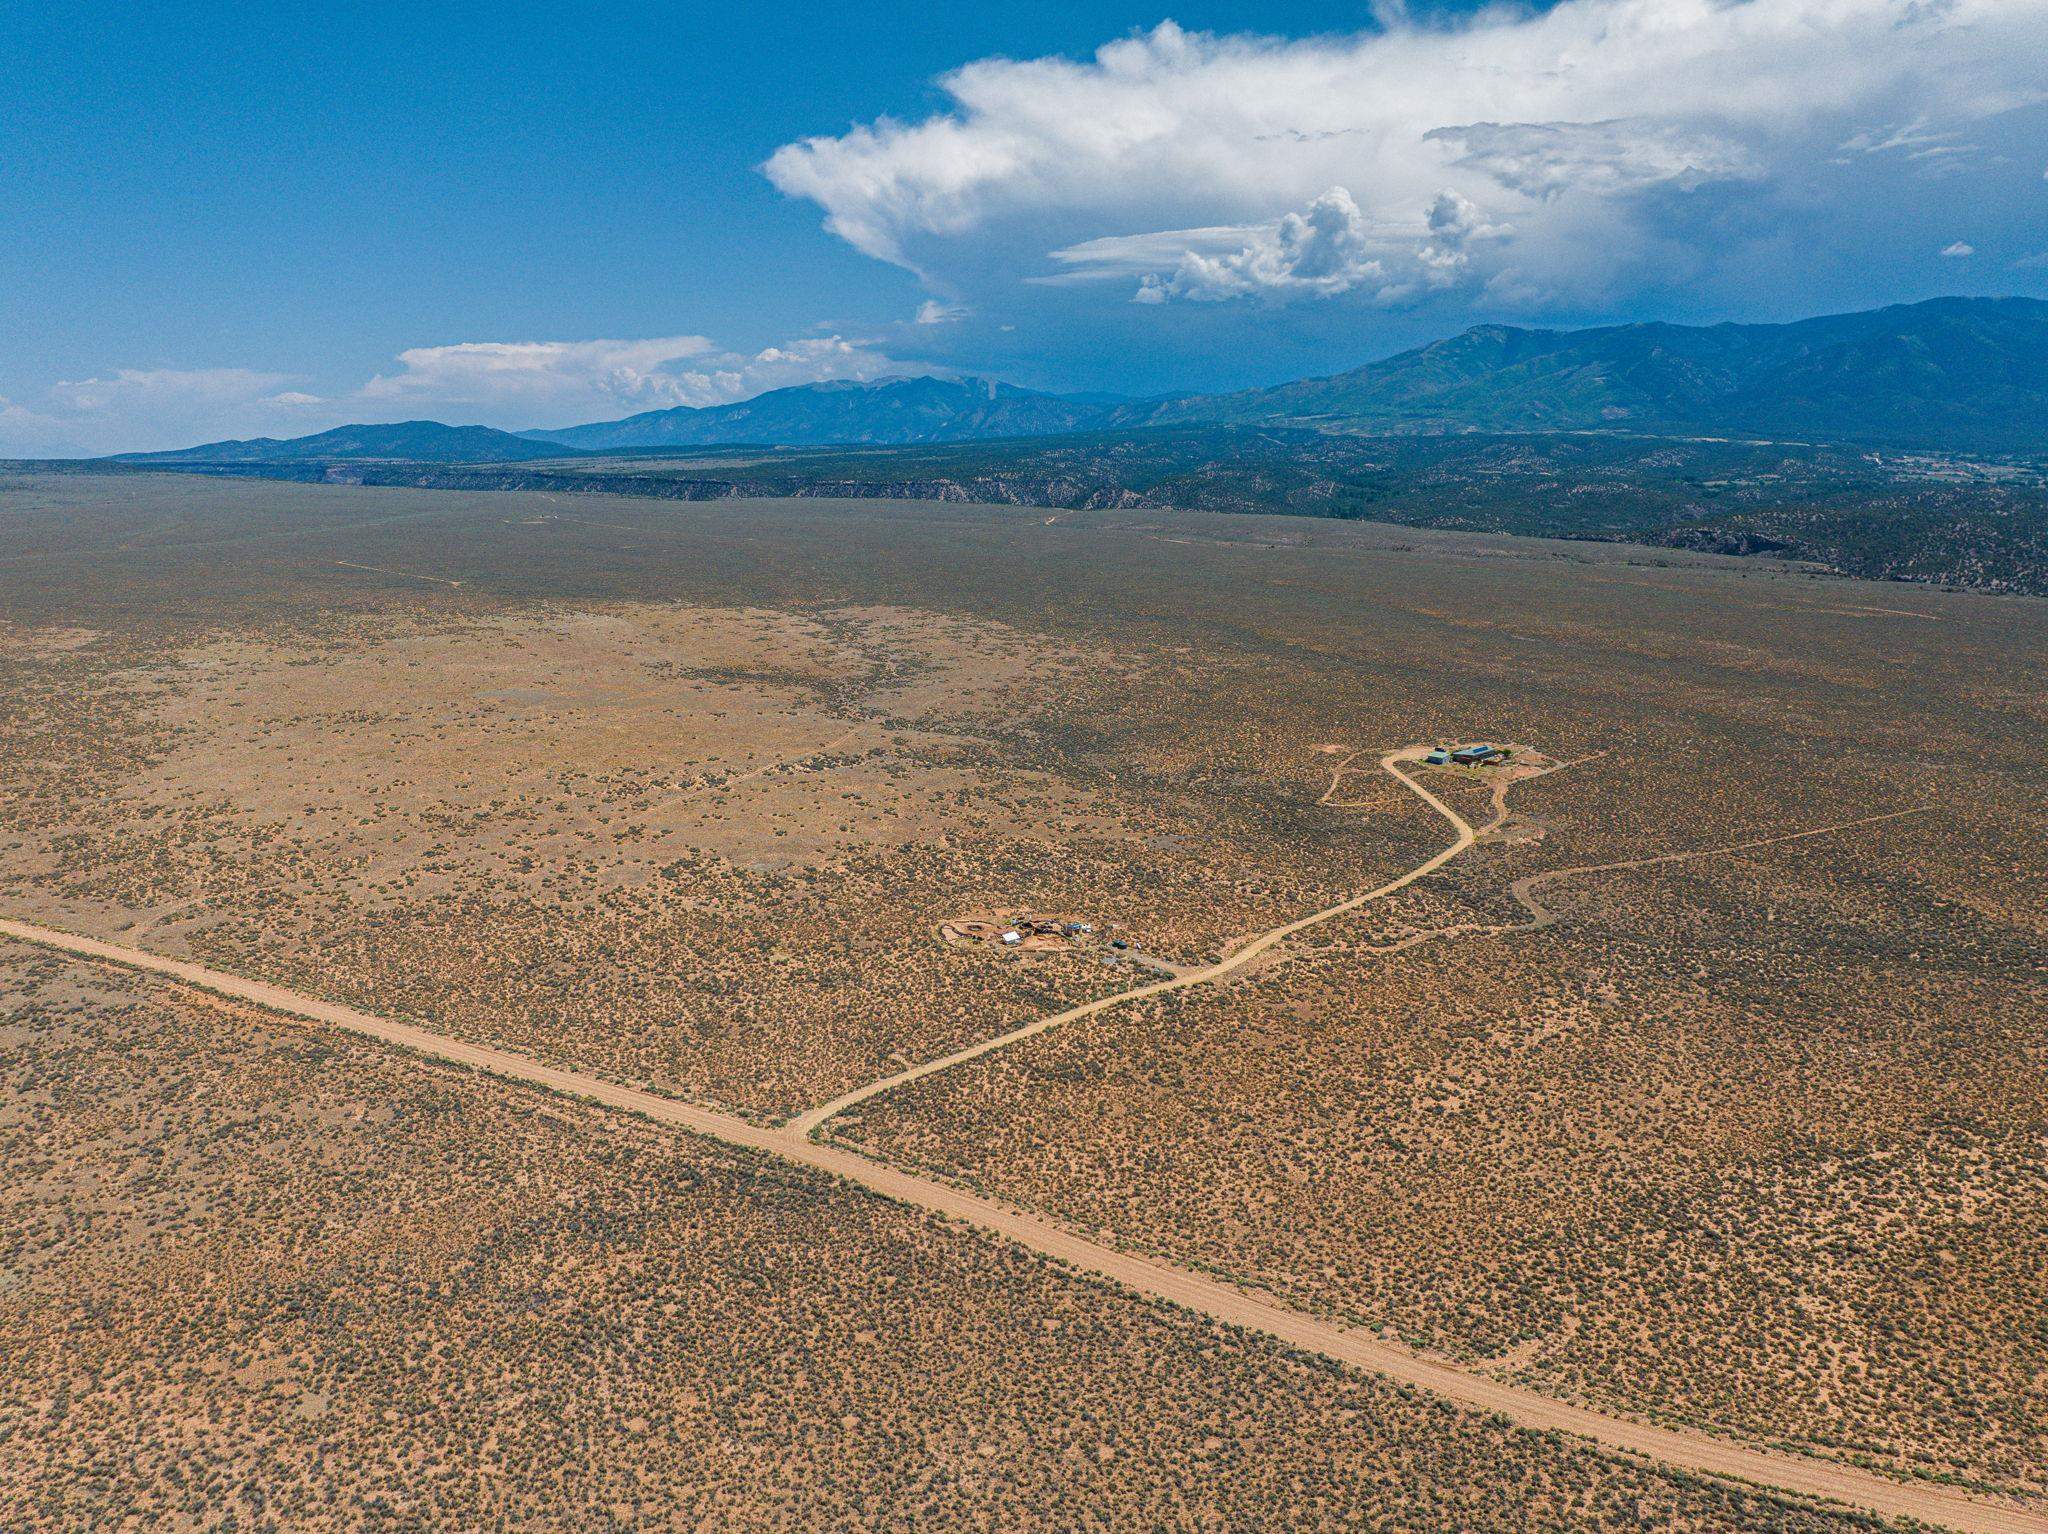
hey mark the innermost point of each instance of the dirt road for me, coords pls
(811, 1121)
(1146, 1276)
(1524, 889)
(806, 1123)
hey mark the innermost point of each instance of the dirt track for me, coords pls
(811, 1121)
(806, 1123)
(1524, 889)
(1687, 1450)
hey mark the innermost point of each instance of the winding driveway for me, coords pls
(806, 1123)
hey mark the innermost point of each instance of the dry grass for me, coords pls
(666, 843)
(263, 1277)
(1758, 1142)
(679, 794)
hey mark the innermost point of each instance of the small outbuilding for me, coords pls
(1438, 757)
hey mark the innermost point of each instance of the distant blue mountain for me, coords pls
(890, 410)
(417, 441)
(1956, 374)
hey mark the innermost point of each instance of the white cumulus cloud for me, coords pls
(1324, 249)
(1204, 166)
(1327, 248)
(544, 376)
(549, 382)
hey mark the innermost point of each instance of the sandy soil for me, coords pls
(1159, 1280)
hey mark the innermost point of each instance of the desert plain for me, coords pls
(1687, 1070)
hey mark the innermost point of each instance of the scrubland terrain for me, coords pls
(270, 1277)
(1713, 1147)
(1943, 518)
(679, 794)
(668, 841)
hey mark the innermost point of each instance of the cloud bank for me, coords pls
(1325, 249)
(165, 405)
(1575, 147)
(510, 384)
(588, 380)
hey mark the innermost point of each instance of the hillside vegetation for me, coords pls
(1957, 373)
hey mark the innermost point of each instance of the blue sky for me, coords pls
(218, 221)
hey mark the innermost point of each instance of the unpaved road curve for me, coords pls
(1155, 1279)
(1541, 916)
(806, 1123)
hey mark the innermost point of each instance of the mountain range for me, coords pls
(1953, 374)
(1958, 373)
(414, 441)
(890, 410)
